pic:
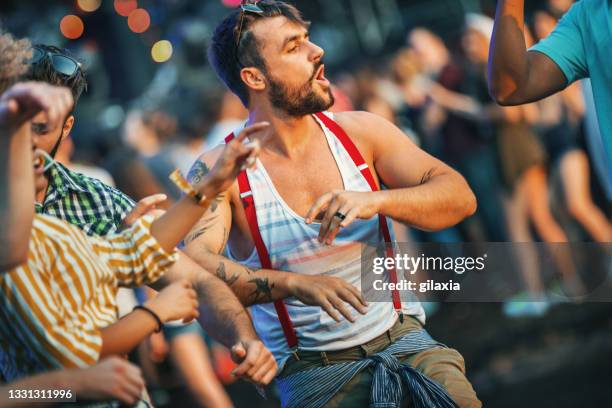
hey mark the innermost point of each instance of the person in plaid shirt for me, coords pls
(91, 205)
(96, 208)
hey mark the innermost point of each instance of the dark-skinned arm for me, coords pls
(517, 76)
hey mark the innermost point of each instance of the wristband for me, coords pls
(152, 313)
(183, 185)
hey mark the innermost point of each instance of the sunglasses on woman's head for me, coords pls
(63, 64)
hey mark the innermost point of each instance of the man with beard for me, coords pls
(312, 200)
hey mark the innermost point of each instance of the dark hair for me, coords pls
(227, 59)
(43, 71)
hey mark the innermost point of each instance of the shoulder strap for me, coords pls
(248, 202)
(363, 167)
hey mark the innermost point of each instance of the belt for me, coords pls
(355, 353)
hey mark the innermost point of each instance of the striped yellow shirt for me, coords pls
(53, 307)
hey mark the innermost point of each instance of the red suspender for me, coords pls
(367, 174)
(246, 196)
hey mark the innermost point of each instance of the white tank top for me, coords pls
(293, 247)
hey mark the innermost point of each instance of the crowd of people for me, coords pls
(260, 241)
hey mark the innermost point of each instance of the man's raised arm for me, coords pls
(517, 76)
(17, 106)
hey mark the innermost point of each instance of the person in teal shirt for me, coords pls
(579, 47)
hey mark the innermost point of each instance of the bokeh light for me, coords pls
(89, 5)
(125, 7)
(72, 27)
(231, 3)
(161, 51)
(139, 20)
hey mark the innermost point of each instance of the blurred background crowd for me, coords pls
(153, 104)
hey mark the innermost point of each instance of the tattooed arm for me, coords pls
(208, 238)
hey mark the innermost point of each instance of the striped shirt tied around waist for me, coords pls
(313, 388)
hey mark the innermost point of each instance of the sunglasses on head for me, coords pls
(247, 6)
(63, 64)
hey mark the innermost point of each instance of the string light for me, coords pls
(139, 20)
(161, 51)
(89, 5)
(125, 7)
(72, 27)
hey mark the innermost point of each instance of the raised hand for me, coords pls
(236, 156)
(24, 100)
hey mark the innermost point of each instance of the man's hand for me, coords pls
(24, 100)
(255, 362)
(349, 204)
(112, 378)
(147, 205)
(328, 292)
(235, 157)
(176, 301)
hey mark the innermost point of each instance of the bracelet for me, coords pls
(152, 313)
(183, 185)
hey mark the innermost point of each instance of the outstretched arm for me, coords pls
(225, 319)
(517, 76)
(170, 228)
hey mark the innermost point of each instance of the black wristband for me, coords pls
(152, 313)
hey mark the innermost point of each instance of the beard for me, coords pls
(301, 101)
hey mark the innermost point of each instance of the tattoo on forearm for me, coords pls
(197, 172)
(222, 274)
(195, 235)
(263, 289)
(427, 175)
